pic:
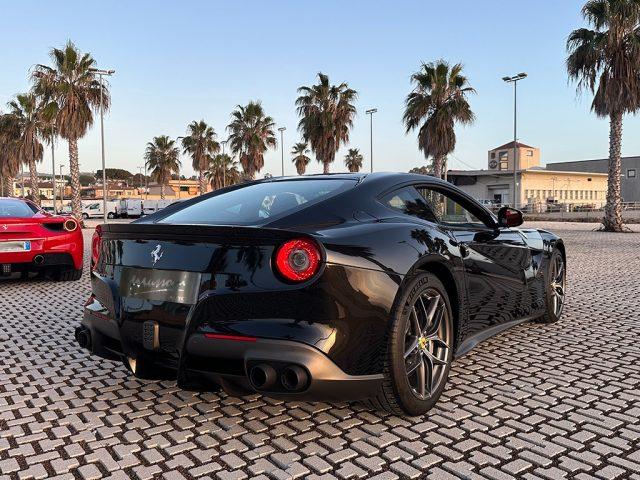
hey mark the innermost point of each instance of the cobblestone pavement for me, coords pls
(536, 402)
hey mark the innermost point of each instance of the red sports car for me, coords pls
(32, 240)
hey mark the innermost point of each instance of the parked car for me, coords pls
(32, 240)
(328, 287)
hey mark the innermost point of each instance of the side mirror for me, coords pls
(509, 217)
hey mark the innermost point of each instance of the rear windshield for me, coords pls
(10, 208)
(258, 203)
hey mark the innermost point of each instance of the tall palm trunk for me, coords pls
(74, 173)
(203, 182)
(438, 163)
(33, 179)
(162, 189)
(326, 167)
(613, 209)
(8, 186)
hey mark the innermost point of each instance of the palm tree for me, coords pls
(353, 160)
(162, 160)
(437, 102)
(27, 111)
(222, 171)
(74, 91)
(201, 144)
(10, 160)
(326, 115)
(605, 60)
(300, 158)
(9, 156)
(251, 134)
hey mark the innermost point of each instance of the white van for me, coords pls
(130, 207)
(149, 206)
(94, 209)
(153, 206)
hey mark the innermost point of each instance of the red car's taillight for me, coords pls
(298, 260)
(70, 225)
(96, 245)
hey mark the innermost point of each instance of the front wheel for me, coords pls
(420, 349)
(111, 215)
(85, 216)
(555, 288)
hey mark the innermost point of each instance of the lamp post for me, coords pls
(281, 130)
(22, 176)
(515, 79)
(61, 190)
(141, 177)
(177, 141)
(53, 167)
(370, 112)
(100, 74)
(224, 166)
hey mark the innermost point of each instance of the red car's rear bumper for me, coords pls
(55, 249)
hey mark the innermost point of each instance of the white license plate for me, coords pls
(21, 246)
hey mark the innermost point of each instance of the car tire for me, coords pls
(110, 215)
(555, 280)
(429, 353)
(69, 275)
(85, 216)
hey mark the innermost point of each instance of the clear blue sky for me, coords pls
(180, 61)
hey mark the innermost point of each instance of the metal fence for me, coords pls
(586, 212)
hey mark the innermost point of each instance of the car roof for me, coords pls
(390, 178)
(16, 198)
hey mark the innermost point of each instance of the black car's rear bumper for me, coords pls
(230, 360)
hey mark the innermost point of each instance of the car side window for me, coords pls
(409, 202)
(448, 211)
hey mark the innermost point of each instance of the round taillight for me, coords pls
(70, 225)
(298, 260)
(96, 242)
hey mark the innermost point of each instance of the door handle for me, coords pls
(464, 250)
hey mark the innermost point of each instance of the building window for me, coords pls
(529, 153)
(493, 154)
(631, 173)
(504, 165)
(504, 155)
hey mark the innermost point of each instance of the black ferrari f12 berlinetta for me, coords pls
(328, 287)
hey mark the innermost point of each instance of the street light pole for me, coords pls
(370, 112)
(141, 177)
(22, 175)
(281, 130)
(53, 169)
(100, 73)
(224, 166)
(515, 79)
(61, 190)
(179, 182)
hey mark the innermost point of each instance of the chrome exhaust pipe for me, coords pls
(294, 378)
(83, 337)
(262, 377)
(38, 259)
